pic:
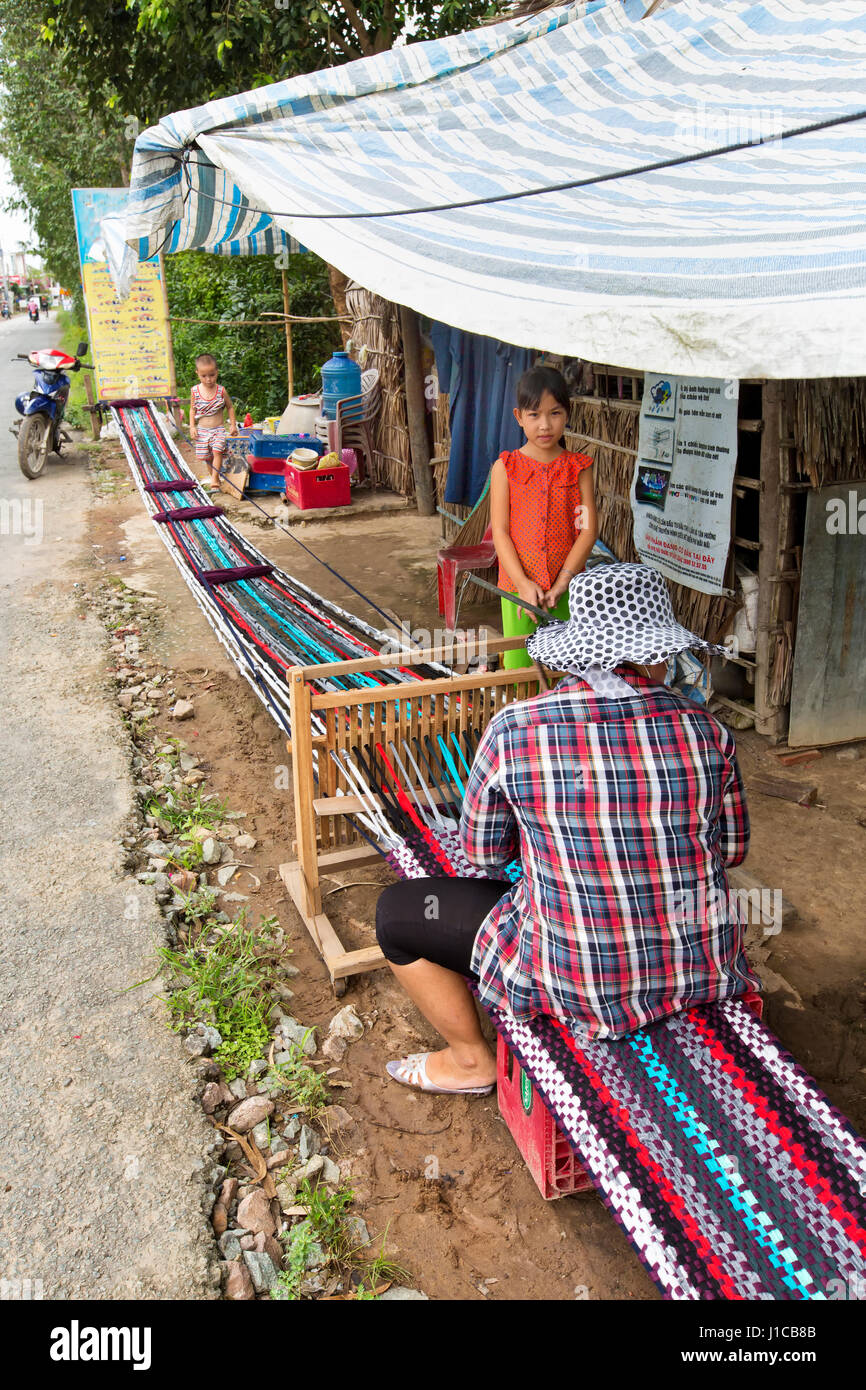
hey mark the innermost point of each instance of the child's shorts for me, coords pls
(209, 442)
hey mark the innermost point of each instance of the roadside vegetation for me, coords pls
(326, 1229)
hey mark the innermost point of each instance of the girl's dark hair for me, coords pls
(533, 384)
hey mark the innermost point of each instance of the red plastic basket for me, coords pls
(270, 466)
(318, 487)
(545, 1150)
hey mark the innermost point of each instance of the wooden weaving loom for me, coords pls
(326, 840)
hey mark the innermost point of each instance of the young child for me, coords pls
(542, 508)
(208, 401)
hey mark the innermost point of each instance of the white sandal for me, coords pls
(412, 1071)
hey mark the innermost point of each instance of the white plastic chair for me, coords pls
(353, 427)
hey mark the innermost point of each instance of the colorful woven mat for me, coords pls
(729, 1171)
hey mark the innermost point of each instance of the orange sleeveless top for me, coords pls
(542, 498)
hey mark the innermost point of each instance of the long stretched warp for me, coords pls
(267, 621)
(728, 1169)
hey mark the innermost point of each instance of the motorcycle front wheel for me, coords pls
(33, 444)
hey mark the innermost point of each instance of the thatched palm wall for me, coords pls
(829, 422)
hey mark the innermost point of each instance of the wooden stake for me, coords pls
(91, 400)
(304, 787)
(766, 714)
(172, 375)
(416, 412)
(289, 358)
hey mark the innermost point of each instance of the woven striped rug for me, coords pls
(729, 1171)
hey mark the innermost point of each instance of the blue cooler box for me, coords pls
(266, 482)
(281, 446)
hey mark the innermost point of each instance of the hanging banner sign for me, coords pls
(682, 489)
(129, 340)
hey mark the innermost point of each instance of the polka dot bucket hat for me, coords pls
(618, 613)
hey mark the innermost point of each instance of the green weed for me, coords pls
(244, 1031)
(321, 1226)
(326, 1213)
(185, 809)
(191, 858)
(304, 1087)
(370, 1275)
(299, 1241)
(224, 983)
(325, 1225)
(199, 906)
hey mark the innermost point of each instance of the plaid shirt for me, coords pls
(625, 814)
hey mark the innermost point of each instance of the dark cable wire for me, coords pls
(590, 182)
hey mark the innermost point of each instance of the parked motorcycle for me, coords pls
(5, 311)
(39, 432)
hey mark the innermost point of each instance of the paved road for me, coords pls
(100, 1166)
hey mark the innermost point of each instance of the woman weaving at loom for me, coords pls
(625, 805)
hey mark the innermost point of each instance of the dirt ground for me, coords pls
(483, 1220)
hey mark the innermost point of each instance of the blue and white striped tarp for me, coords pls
(751, 263)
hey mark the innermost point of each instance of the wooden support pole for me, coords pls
(172, 375)
(416, 412)
(91, 401)
(767, 717)
(300, 716)
(289, 357)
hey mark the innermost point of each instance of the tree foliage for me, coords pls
(159, 56)
(252, 361)
(51, 137)
(80, 78)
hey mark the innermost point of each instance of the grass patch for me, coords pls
(325, 1226)
(223, 979)
(71, 335)
(186, 809)
(372, 1274)
(297, 1082)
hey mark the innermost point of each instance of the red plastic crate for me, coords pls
(318, 487)
(543, 1147)
(269, 466)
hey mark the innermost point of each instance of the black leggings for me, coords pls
(435, 919)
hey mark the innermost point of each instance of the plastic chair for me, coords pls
(353, 427)
(457, 559)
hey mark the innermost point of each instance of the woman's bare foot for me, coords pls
(475, 1068)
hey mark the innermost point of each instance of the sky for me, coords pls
(14, 226)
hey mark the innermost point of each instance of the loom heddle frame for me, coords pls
(325, 839)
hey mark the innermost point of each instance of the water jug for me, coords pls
(341, 377)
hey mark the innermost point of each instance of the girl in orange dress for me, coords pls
(542, 508)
